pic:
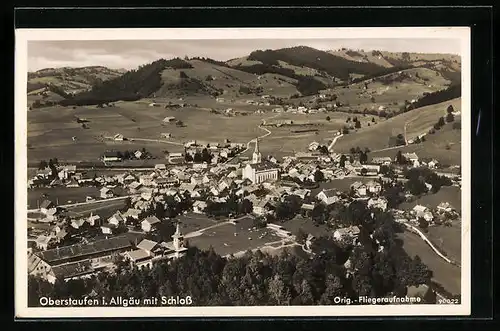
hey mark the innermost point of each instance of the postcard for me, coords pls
(242, 172)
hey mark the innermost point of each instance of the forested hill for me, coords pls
(133, 85)
(321, 61)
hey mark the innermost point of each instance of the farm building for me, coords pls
(150, 223)
(106, 193)
(169, 119)
(118, 137)
(166, 135)
(111, 157)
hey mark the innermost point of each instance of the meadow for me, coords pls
(418, 121)
(448, 275)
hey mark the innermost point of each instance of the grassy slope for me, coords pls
(391, 96)
(377, 136)
(72, 79)
(228, 79)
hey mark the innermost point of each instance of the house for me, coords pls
(359, 188)
(150, 223)
(199, 206)
(160, 166)
(148, 246)
(138, 154)
(260, 207)
(432, 164)
(344, 233)
(302, 193)
(307, 209)
(134, 187)
(139, 258)
(111, 157)
(166, 135)
(116, 219)
(118, 137)
(93, 219)
(373, 187)
(107, 228)
(385, 160)
(412, 158)
(42, 242)
(328, 196)
(313, 146)
(47, 207)
(78, 223)
(380, 203)
(445, 207)
(132, 213)
(106, 193)
(169, 119)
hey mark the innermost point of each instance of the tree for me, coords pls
(328, 118)
(301, 236)
(357, 125)
(363, 158)
(372, 99)
(400, 159)
(352, 150)
(450, 118)
(343, 158)
(450, 109)
(373, 119)
(423, 224)
(441, 121)
(42, 165)
(319, 176)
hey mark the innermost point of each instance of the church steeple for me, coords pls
(257, 157)
(178, 238)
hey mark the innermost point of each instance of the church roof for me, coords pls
(264, 165)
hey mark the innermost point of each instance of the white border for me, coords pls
(24, 35)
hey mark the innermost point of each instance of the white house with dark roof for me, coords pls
(373, 186)
(105, 193)
(47, 206)
(149, 223)
(359, 188)
(328, 196)
(199, 206)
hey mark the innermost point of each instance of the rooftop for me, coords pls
(80, 250)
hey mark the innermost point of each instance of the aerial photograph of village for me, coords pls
(265, 172)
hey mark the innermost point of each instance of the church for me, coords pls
(258, 171)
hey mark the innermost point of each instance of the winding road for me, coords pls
(334, 141)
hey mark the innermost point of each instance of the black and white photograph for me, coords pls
(242, 172)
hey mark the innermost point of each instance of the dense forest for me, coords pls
(451, 92)
(376, 265)
(335, 66)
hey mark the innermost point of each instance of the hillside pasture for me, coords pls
(377, 137)
(435, 147)
(393, 95)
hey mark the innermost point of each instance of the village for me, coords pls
(259, 197)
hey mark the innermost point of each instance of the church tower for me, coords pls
(178, 240)
(257, 157)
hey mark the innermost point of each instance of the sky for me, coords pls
(129, 54)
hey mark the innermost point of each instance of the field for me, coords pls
(444, 146)
(449, 239)
(230, 239)
(393, 95)
(449, 276)
(65, 195)
(50, 130)
(418, 120)
(104, 209)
